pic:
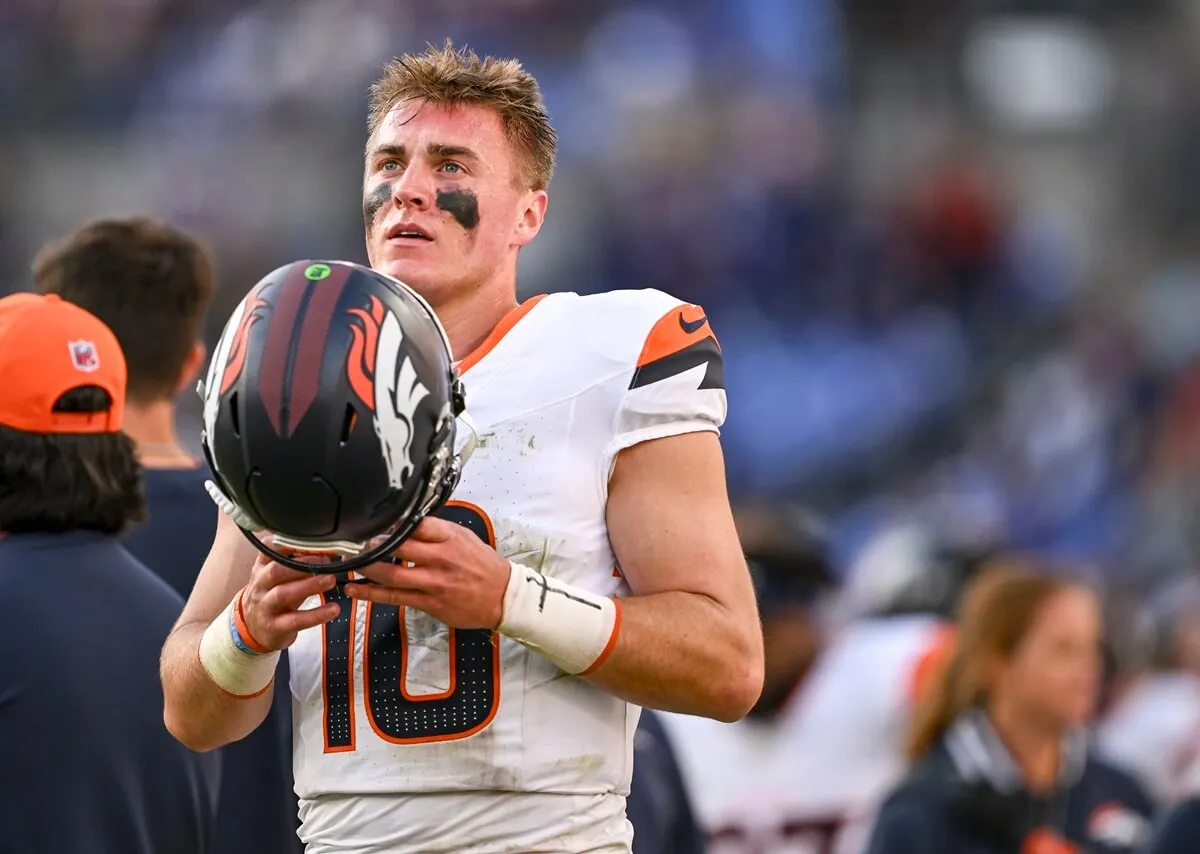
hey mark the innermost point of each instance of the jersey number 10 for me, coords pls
(464, 708)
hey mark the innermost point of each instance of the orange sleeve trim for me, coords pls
(239, 621)
(612, 641)
(501, 329)
(678, 329)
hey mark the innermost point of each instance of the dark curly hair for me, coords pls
(150, 283)
(63, 481)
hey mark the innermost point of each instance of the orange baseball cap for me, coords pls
(47, 347)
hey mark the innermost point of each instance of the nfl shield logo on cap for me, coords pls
(84, 356)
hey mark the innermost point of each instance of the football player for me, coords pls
(151, 284)
(481, 692)
(803, 773)
(1153, 730)
(754, 792)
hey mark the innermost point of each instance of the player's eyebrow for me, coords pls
(461, 152)
(397, 151)
(390, 150)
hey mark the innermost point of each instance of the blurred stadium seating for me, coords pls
(951, 247)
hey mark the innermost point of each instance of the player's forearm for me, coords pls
(684, 652)
(197, 712)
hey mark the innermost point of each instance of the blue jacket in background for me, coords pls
(258, 812)
(965, 797)
(1179, 830)
(86, 764)
(658, 805)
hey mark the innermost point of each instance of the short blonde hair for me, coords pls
(449, 77)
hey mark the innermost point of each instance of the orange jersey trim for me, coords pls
(501, 329)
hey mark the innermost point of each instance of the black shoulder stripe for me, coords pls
(703, 352)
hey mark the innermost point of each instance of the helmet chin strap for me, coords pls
(471, 442)
(226, 506)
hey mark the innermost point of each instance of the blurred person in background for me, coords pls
(999, 739)
(151, 284)
(1153, 730)
(1179, 830)
(887, 629)
(87, 763)
(753, 786)
(659, 804)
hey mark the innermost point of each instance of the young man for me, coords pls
(600, 467)
(152, 284)
(87, 764)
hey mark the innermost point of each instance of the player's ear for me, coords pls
(192, 366)
(532, 217)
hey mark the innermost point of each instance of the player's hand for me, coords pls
(272, 599)
(456, 577)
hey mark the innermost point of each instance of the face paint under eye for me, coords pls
(375, 200)
(460, 204)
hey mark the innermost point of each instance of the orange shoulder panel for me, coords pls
(678, 329)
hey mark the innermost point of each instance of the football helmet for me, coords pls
(911, 568)
(330, 412)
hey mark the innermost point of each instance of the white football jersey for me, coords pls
(413, 737)
(1153, 732)
(808, 781)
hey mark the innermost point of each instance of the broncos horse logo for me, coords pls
(385, 380)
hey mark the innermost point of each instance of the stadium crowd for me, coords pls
(956, 326)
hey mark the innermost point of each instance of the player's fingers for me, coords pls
(296, 621)
(273, 574)
(387, 595)
(433, 530)
(422, 553)
(400, 577)
(290, 596)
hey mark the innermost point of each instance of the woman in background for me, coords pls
(998, 742)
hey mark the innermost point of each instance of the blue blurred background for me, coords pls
(950, 247)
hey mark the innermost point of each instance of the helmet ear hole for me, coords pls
(349, 419)
(235, 421)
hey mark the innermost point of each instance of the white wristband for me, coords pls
(238, 673)
(573, 628)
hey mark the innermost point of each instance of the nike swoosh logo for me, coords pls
(692, 326)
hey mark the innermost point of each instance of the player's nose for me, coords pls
(413, 190)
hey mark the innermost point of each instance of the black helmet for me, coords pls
(329, 415)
